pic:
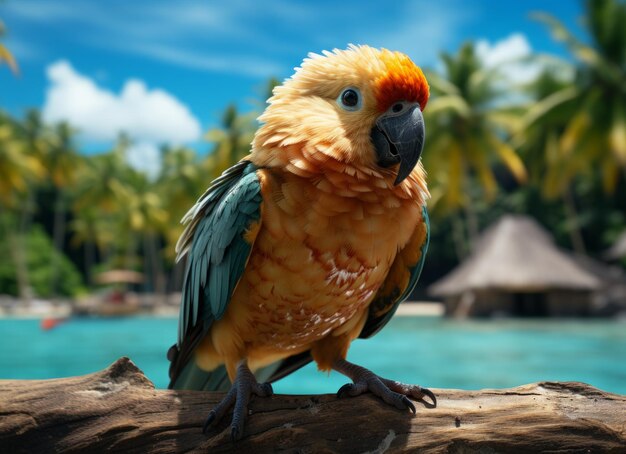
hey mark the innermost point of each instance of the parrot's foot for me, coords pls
(245, 385)
(390, 391)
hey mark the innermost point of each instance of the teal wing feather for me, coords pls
(217, 253)
(390, 305)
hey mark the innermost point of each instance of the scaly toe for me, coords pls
(390, 391)
(400, 401)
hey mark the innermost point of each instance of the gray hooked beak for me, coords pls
(398, 137)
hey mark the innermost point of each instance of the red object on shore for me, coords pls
(49, 323)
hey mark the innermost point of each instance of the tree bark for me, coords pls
(575, 234)
(458, 237)
(118, 410)
(16, 243)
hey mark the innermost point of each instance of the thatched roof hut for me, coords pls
(618, 250)
(516, 268)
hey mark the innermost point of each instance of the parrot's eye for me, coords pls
(350, 99)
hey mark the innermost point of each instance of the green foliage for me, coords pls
(39, 252)
(466, 131)
(591, 136)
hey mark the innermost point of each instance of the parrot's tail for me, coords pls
(185, 373)
(192, 377)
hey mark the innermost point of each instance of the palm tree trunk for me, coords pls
(17, 251)
(89, 249)
(458, 236)
(149, 278)
(575, 234)
(158, 267)
(58, 233)
(472, 225)
(19, 242)
(130, 251)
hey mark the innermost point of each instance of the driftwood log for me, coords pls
(119, 410)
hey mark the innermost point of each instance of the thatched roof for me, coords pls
(618, 250)
(515, 254)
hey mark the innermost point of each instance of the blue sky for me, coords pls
(165, 70)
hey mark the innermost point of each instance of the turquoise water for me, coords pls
(430, 351)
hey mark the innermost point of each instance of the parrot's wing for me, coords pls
(401, 280)
(397, 287)
(217, 241)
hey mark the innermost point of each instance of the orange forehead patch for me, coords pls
(402, 81)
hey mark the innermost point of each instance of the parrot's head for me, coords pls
(361, 106)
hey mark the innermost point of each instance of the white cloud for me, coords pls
(512, 47)
(100, 115)
(148, 117)
(508, 56)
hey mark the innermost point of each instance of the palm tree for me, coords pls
(179, 184)
(56, 152)
(143, 217)
(5, 54)
(181, 181)
(232, 140)
(234, 136)
(100, 188)
(62, 163)
(467, 137)
(580, 127)
(594, 136)
(35, 137)
(19, 170)
(535, 141)
(538, 145)
(102, 181)
(90, 233)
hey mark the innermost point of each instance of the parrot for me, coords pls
(313, 239)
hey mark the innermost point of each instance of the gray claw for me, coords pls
(432, 396)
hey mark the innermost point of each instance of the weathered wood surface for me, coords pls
(118, 410)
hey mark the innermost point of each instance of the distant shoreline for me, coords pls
(408, 309)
